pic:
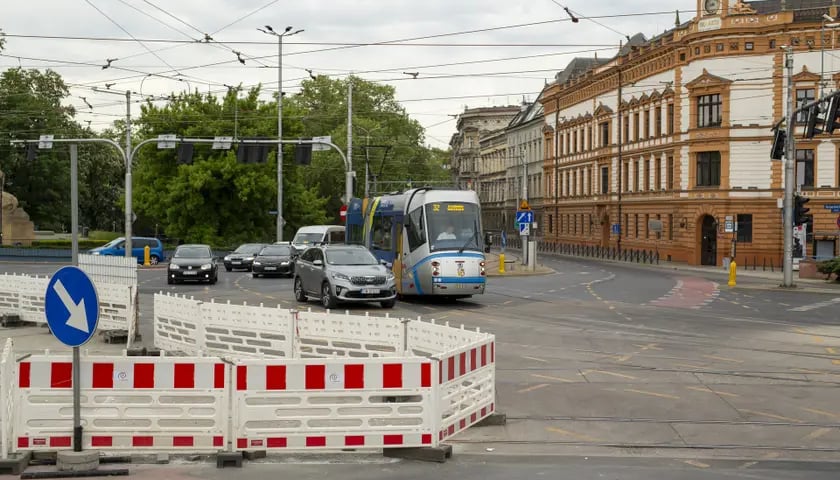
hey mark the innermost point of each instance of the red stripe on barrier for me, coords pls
(100, 441)
(354, 440)
(392, 375)
(144, 375)
(256, 443)
(463, 424)
(316, 441)
(103, 375)
(440, 372)
(392, 439)
(275, 377)
(23, 374)
(182, 441)
(219, 441)
(184, 375)
(219, 375)
(451, 430)
(492, 352)
(450, 366)
(440, 436)
(23, 442)
(354, 376)
(61, 442)
(483, 355)
(61, 375)
(242, 381)
(484, 411)
(426, 439)
(492, 407)
(241, 443)
(142, 441)
(315, 377)
(473, 417)
(276, 442)
(426, 375)
(463, 361)
(473, 354)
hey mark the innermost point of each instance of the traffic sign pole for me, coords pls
(74, 228)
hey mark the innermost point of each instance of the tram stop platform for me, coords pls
(513, 266)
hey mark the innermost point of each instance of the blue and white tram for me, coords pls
(432, 239)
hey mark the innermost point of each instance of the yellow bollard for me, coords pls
(732, 273)
(501, 263)
(147, 257)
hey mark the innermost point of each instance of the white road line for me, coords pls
(814, 306)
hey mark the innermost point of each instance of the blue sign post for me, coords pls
(71, 306)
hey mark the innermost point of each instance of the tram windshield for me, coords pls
(453, 226)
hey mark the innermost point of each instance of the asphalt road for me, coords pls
(614, 361)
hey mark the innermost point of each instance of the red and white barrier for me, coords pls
(7, 396)
(467, 386)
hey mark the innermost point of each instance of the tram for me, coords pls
(431, 239)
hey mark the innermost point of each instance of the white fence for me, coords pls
(110, 269)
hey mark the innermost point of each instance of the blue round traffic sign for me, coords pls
(71, 306)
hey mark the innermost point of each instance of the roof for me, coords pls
(578, 66)
(804, 10)
(530, 111)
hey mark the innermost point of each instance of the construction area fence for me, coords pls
(243, 378)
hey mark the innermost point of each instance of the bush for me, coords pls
(830, 266)
(66, 244)
(103, 235)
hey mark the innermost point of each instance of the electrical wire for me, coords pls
(272, 2)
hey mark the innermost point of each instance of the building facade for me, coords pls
(493, 185)
(667, 145)
(464, 144)
(524, 167)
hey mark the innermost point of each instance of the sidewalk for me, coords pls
(513, 266)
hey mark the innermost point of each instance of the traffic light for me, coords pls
(814, 124)
(252, 153)
(831, 122)
(303, 154)
(800, 213)
(185, 153)
(31, 152)
(777, 152)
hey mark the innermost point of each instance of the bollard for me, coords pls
(501, 263)
(147, 257)
(732, 273)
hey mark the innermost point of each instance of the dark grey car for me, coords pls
(343, 273)
(274, 260)
(193, 263)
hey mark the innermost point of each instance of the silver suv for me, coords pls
(343, 273)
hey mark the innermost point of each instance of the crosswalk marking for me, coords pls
(814, 306)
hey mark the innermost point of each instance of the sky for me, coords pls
(441, 56)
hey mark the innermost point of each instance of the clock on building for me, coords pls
(711, 6)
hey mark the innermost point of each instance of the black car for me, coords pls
(274, 260)
(243, 256)
(192, 262)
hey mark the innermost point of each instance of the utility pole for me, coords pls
(789, 174)
(349, 181)
(620, 159)
(129, 213)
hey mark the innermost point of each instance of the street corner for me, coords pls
(513, 267)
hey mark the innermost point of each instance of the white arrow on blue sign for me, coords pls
(524, 216)
(72, 306)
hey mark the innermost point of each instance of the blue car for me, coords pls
(116, 247)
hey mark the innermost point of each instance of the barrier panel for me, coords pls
(7, 393)
(467, 386)
(127, 403)
(323, 334)
(335, 403)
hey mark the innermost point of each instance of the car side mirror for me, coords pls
(386, 263)
(318, 263)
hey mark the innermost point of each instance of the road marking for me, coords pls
(549, 377)
(689, 365)
(508, 302)
(532, 388)
(817, 434)
(623, 358)
(747, 464)
(567, 433)
(620, 375)
(800, 370)
(816, 339)
(723, 359)
(821, 412)
(653, 394)
(831, 350)
(535, 359)
(709, 390)
(814, 306)
(771, 415)
(650, 346)
(695, 463)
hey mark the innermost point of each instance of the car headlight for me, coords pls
(257, 263)
(340, 276)
(227, 258)
(173, 266)
(284, 263)
(206, 266)
(389, 276)
(248, 259)
(94, 253)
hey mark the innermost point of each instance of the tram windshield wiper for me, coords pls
(470, 240)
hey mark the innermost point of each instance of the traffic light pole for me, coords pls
(787, 267)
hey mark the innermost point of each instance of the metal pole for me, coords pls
(77, 397)
(280, 137)
(74, 202)
(367, 168)
(348, 187)
(620, 167)
(129, 213)
(789, 174)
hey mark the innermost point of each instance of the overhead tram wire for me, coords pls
(272, 2)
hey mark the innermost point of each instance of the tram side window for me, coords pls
(382, 227)
(417, 230)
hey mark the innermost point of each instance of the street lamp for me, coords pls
(286, 33)
(367, 159)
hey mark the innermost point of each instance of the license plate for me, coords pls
(366, 291)
(190, 273)
(270, 268)
(236, 263)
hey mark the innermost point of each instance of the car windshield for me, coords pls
(356, 256)
(308, 237)
(453, 226)
(276, 251)
(113, 243)
(249, 248)
(192, 252)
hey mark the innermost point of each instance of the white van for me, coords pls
(314, 234)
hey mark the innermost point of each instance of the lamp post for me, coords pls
(286, 33)
(367, 158)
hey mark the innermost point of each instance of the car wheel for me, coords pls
(327, 298)
(228, 268)
(255, 275)
(169, 280)
(388, 303)
(300, 294)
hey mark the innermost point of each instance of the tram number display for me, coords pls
(451, 207)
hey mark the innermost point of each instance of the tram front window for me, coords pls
(453, 226)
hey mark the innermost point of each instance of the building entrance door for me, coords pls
(708, 242)
(605, 231)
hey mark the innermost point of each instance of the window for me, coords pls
(708, 169)
(626, 176)
(416, 230)
(749, 45)
(659, 233)
(718, 47)
(636, 224)
(647, 174)
(589, 138)
(670, 226)
(745, 227)
(626, 129)
(626, 227)
(708, 110)
(657, 121)
(772, 44)
(670, 119)
(647, 225)
(803, 96)
(647, 123)
(637, 170)
(804, 167)
(382, 233)
(550, 223)
(636, 131)
(670, 173)
(605, 179)
(574, 142)
(453, 226)
(605, 133)
(574, 224)
(657, 179)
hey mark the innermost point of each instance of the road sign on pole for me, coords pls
(524, 216)
(71, 306)
(524, 229)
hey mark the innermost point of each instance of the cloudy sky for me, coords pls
(465, 53)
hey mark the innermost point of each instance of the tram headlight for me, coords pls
(435, 268)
